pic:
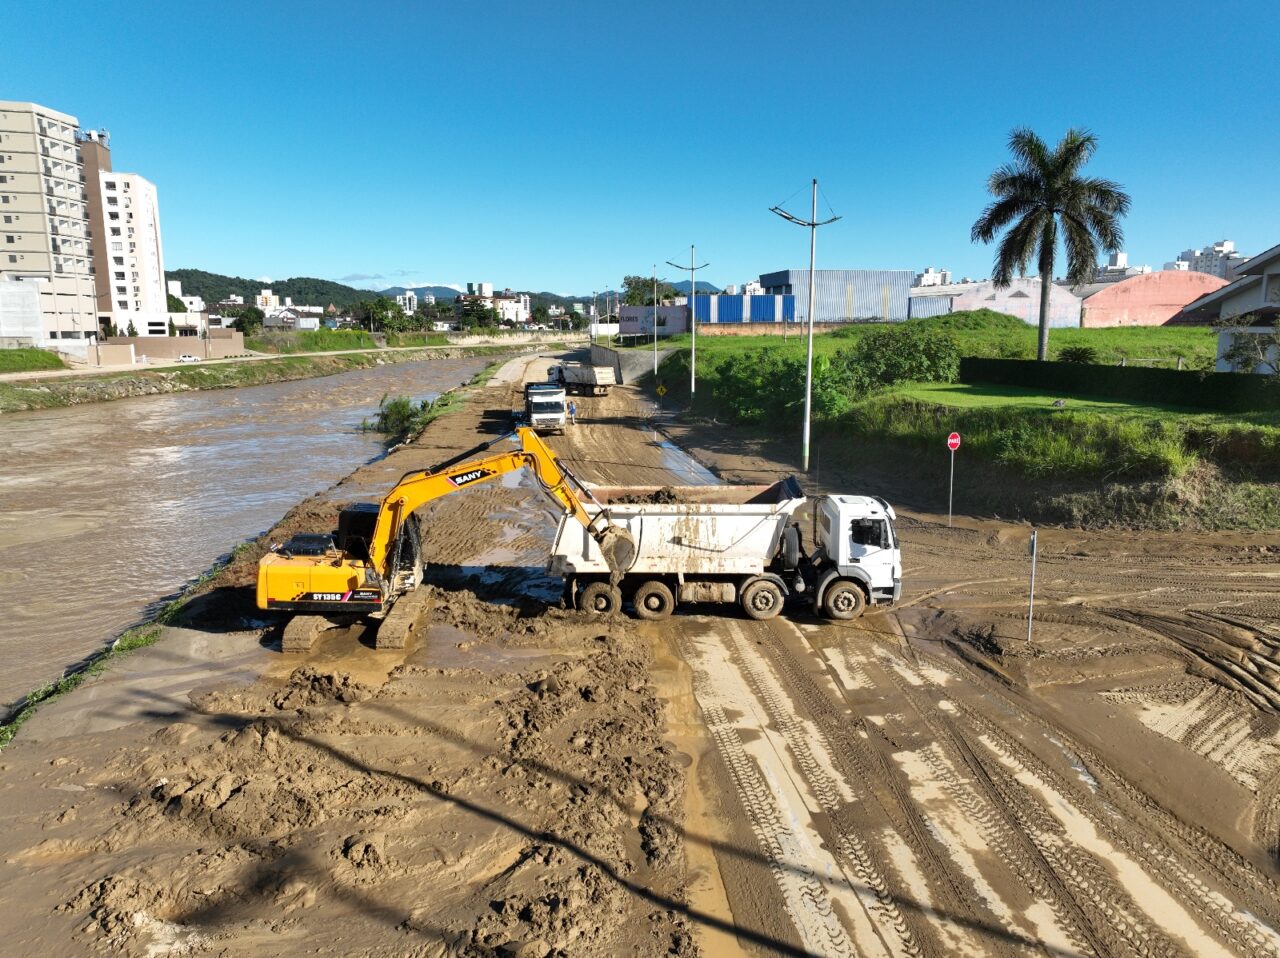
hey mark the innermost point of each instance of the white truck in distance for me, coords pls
(583, 378)
(734, 544)
(544, 407)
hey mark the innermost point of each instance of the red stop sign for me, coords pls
(953, 441)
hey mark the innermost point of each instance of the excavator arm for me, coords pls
(416, 489)
(342, 582)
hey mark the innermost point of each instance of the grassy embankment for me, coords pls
(984, 332)
(309, 341)
(1089, 461)
(53, 393)
(28, 360)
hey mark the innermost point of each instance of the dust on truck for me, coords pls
(735, 544)
(583, 378)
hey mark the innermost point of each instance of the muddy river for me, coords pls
(109, 507)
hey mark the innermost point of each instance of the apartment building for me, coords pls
(44, 221)
(135, 280)
(408, 302)
(1222, 259)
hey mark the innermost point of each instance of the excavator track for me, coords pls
(407, 617)
(301, 632)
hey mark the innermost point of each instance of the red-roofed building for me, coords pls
(1151, 299)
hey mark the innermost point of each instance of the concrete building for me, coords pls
(268, 301)
(845, 295)
(194, 304)
(1021, 298)
(480, 289)
(427, 299)
(129, 209)
(1118, 269)
(44, 221)
(408, 302)
(20, 323)
(932, 277)
(1256, 292)
(513, 308)
(1147, 299)
(1221, 260)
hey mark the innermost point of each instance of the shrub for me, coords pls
(901, 354)
(1078, 354)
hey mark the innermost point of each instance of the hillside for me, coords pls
(304, 290)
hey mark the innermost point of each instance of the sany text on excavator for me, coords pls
(376, 555)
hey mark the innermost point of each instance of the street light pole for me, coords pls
(813, 225)
(693, 320)
(655, 319)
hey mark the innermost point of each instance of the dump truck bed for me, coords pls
(689, 530)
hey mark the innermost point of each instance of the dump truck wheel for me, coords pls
(601, 598)
(844, 600)
(762, 600)
(653, 600)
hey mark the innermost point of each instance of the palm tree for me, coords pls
(1040, 194)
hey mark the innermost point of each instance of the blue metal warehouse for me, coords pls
(846, 294)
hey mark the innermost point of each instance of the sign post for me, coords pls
(1031, 596)
(661, 391)
(953, 443)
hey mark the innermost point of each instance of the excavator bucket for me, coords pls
(618, 548)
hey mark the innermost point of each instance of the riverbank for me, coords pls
(76, 390)
(502, 786)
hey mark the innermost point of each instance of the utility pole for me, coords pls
(813, 225)
(655, 319)
(693, 319)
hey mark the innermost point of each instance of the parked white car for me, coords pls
(188, 358)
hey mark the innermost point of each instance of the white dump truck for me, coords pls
(544, 407)
(724, 544)
(583, 378)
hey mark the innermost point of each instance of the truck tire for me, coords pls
(601, 598)
(844, 600)
(653, 600)
(762, 600)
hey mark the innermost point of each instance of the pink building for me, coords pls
(1151, 299)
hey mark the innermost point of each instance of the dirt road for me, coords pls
(531, 781)
(928, 781)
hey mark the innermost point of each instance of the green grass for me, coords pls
(310, 341)
(28, 360)
(401, 340)
(1014, 397)
(990, 334)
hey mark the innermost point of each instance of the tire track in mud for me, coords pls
(1121, 801)
(943, 916)
(791, 859)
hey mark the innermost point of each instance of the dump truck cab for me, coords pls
(856, 545)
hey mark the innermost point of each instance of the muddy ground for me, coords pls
(526, 780)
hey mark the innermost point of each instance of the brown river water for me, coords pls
(107, 508)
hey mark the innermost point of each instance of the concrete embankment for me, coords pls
(71, 391)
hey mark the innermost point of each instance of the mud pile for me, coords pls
(534, 811)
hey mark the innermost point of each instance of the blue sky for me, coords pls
(559, 145)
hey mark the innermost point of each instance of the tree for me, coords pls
(131, 330)
(1040, 194)
(1252, 352)
(176, 305)
(638, 290)
(173, 328)
(474, 312)
(247, 319)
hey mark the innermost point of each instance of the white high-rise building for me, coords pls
(408, 302)
(1221, 260)
(44, 221)
(135, 253)
(932, 277)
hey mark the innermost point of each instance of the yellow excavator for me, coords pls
(375, 557)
